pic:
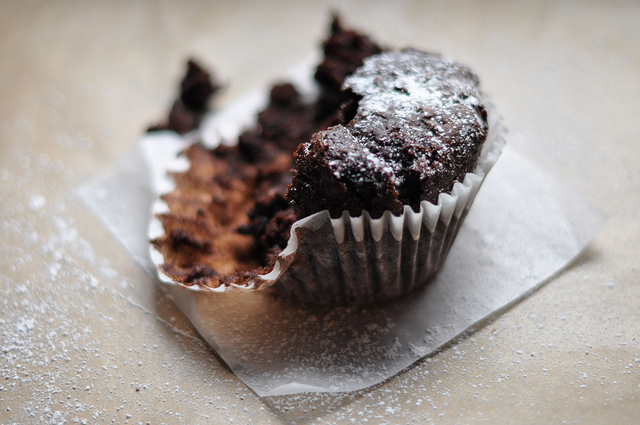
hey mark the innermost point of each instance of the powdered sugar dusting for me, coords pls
(80, 342)
(410, 82)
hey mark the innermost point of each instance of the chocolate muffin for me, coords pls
(340, 199)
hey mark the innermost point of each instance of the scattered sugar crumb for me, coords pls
(37, 202)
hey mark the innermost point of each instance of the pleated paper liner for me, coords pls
(359, 260)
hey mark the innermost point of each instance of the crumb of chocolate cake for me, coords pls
(196, 88)
(344, 51)
(287, 119)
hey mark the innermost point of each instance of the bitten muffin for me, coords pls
(336, 200)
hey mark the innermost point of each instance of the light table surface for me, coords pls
(87, 337)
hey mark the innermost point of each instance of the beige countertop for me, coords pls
(87, 337)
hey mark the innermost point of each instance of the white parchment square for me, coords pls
(522, 229)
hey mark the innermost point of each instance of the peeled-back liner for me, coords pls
(358, 260)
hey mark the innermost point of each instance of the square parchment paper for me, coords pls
(523, 228)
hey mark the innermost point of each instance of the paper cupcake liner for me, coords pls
(355, 260)
(358, 260)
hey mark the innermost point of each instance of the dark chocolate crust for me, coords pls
(418, 128)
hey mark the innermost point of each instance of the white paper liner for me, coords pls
(354, 260)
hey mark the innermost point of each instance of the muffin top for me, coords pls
(414, 124)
